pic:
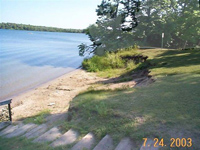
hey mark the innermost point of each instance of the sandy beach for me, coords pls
(54, 95)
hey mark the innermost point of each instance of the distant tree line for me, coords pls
(15, 26)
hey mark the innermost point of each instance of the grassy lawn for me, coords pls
(173, 62)
(169, 108)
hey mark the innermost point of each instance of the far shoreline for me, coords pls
(28, 27)
(43, 31)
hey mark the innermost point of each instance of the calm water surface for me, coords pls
(31, 58)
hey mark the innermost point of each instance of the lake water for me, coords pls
(31, 58)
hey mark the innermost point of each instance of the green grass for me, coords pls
(168, 108)
(171, 62)
(171, 104)
(111, 64)
(40, 118)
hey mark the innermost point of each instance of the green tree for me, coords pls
(113, 29)
(2, 26)
(178, 19)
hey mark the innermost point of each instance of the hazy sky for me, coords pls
(77, 14)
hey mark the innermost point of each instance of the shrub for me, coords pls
(130, 65)
(100, 63)
(109, 60)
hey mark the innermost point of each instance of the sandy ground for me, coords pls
(54, 95)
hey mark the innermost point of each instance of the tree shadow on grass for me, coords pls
(166, 109)
(170, 61)
(176, 58)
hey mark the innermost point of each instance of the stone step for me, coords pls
(125, 144)
(9, 129)
(85, 143)
(48, 136)
(4, 124)
(36, 132)
(67, 138)
(105, 144)
(149, 145)
(20, 131)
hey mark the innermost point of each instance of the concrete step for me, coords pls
(67, 138)
(36, 132)
(105, 144)
(86, 143)
(4, 124)
(22, 130)
(48, 136)
(9, 129)
(149, 145)
(125, 144)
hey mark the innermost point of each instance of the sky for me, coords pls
(76, 14)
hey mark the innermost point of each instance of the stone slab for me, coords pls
(36, 132)
(9, 129)
(20, 131)
(105, 144)
(85, 143)
(67, 138)
(125, 144)
(48, 136)
(4, 125)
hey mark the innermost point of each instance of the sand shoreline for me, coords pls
(26, 91)
(54, 95)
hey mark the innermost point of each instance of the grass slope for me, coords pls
(111, 64)
(166, 109)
